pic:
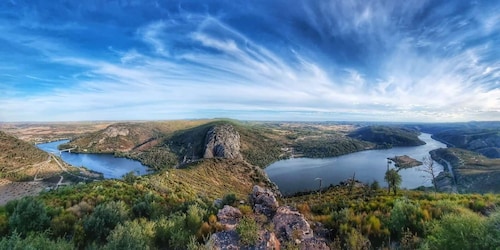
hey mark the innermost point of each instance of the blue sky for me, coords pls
(412, 60)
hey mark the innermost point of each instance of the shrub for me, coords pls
(104, 219)
(33, 241)
(228, 199)
(406, 215)
(172, 232)
(29, 215)
(131, 235)
(63, 224)
(248, 231)
(458, 231)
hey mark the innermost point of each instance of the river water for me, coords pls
(107, 164)
(300, 174)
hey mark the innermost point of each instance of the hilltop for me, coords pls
(161, 145)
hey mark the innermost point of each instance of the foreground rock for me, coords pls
(229, 217)
(290, 226)
(223, 141)
(264, 201)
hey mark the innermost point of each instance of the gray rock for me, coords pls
(264, 201)
(223, 141)
(229, 217)
(228, 240)
(313, 244)
(290, 225)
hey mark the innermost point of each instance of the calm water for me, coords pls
(107, 164)
(299, 174)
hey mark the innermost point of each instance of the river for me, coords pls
(300, 174)
(107, 164)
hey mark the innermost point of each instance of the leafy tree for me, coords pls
(104, 219)
(393, 180)
(29, 215)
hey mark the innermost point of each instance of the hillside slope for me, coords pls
(483, 141)
(473, 172)
(385, 136)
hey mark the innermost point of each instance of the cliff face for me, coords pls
(223, 141)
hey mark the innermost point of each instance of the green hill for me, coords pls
(385, 136)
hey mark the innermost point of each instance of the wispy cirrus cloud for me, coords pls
(329, 60)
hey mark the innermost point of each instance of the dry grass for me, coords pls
(15, 190)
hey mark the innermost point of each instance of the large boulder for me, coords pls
(229, 217)
(290, 225)
(223, 141)
(264, 201)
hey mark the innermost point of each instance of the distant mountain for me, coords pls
(387, 136)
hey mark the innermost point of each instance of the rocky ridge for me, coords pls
(223, 141)
(288, 225)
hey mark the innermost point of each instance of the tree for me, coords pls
(430, 170)
(393, 180)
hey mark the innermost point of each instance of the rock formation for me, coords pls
(264, 201)
(229, 217)
(222, 141)
(289, 225)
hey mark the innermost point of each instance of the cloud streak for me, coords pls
(328, 60)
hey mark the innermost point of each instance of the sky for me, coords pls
(300, 60)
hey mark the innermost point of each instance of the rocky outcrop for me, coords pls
(264, 201)
(228, 240)
(289, 225)
(223, 141)
(229, 217)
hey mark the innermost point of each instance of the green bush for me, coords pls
(406, 215)
(458, 231)
(137, 234)
(29, 215)
(33, 241)
(248, 231)
(104, 219)
(171, 232)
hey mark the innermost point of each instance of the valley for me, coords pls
(203, 171)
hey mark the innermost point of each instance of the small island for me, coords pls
(404, 161)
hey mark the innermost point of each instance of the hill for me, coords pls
(483, 141)
(386, 136)
(472, 172)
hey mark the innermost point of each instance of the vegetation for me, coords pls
(393, 180)
(413, 219)
(330, 146)
(248, 231)
(484, 141)
(385, 136)
(473, 171)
